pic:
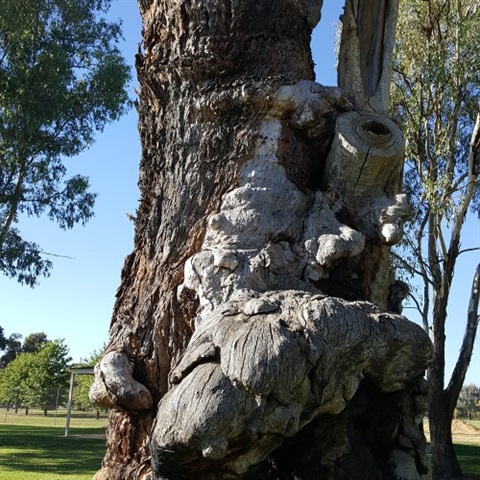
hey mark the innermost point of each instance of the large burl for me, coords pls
(260, 368)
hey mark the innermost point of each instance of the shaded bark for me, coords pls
(237, 206)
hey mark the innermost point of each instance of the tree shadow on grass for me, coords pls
(45, 449)
(469, 457)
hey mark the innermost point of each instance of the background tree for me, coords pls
(62, 78)
(468, 404)
(12, 347)
(83, 383)
(35, 378)
(34, 342)
(437, 96)
(3, 340)
(14, 378)
(253, 317)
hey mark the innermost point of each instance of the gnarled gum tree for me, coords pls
(256, 332)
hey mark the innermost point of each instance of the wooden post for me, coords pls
(69, 406)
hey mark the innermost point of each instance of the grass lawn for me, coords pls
(39, 451)
(32, 448)
(469, 458)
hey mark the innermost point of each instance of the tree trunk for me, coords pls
(445, 463)
(244, 327)
(444, 401)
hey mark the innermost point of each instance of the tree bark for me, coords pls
(229, 348)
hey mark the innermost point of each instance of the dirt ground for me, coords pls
(462, 432)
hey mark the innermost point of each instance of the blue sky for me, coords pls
(76, 302)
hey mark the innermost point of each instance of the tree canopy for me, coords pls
(34, 342)
(33, 378)
(468, 405)
(62, 78)
(436, 94)
(83, 383)
(12, 346)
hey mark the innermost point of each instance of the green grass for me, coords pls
(39, 451)
(469, 458)
(32, 448)
(36, 418)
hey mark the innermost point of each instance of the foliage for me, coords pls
(62, 78)
(436, 94)
(12, 346)
(34, 342)
(468, 404)
(35, 378)
(14, 379)
(3, 340)
(83, 383)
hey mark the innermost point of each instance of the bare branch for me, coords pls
(473, 249)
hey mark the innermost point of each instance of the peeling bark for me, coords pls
(226, 315)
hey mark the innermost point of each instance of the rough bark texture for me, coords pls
(250, 238)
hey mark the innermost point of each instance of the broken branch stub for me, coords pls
(366, 158)
(364, 173)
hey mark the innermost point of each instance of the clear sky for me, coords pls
(75, 303)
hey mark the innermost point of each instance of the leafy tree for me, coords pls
(34, 378)
(468, 404)
(3, 340)
(14, 378)
(49, 373)
(12, 346)
(34, 342)
(62, 78)
(84, 382)
(437, 95)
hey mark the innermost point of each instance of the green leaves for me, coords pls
(436, 93)
(33, 376)
(62, 78)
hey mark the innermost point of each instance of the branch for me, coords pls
(473, 249)
(422, 273)
(42, 252)
(418, 306)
